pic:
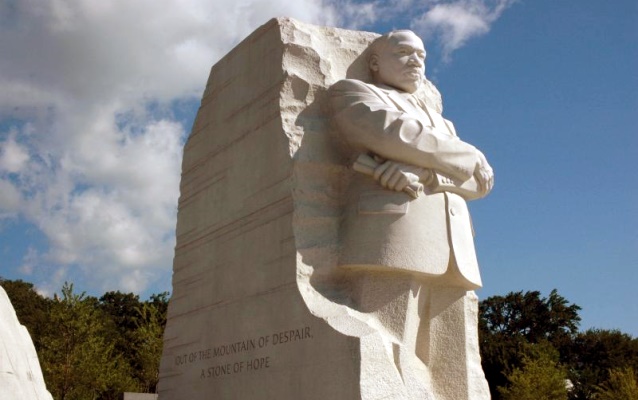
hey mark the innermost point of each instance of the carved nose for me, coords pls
(415, 60)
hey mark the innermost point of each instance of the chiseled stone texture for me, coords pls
(260, 309)
(20, 373)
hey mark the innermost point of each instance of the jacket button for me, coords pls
(452, 211)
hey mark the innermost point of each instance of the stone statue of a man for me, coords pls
(406, 229)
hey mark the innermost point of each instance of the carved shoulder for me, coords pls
(349, 85)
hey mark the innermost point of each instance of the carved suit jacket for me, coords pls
(387, 230)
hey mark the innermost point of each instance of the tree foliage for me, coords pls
(79, 357)
(530, 316)
(92, 348)
(515, 327)
(593, 354)
(540, 377)
(148, 343)
(622, 384)
(509, 324)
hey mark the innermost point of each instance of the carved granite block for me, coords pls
(263, 304)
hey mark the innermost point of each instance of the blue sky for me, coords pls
(97, 99)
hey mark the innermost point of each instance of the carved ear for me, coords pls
(373, 64)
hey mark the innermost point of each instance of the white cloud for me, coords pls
(360, 13)
(95, 169)
(29, 260)
(13, 156)
(89, 163)
(9, 198)
(455, 22)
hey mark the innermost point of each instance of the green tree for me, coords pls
(621, 385)
(148, 344)
(93, 348)
(121, 308)
(160, 301)
(530, 316)
(593, 354)
(540, 377)
(137, 329)
(508, 324)
(120, 320)
(79, 360)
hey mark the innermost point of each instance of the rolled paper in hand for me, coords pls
(434, 181)
(366, 165)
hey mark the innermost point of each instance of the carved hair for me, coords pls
(379, 43)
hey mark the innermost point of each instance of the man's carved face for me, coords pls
(400, 63)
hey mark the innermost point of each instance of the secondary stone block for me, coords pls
(20, 373)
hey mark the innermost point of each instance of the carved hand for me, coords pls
(397, 176)
(484, 174)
